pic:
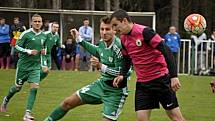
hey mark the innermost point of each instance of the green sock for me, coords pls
(11, 92)
(42, 75)
(57, 114)
(31, 98)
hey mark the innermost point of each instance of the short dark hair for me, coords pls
(120, 15)
(105, 20)
(86, 19)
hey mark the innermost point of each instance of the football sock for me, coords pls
(31, 98)
(57, 114)
(11, 92)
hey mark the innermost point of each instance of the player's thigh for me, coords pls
(143, 115)
(34, 76)
(71, 102)
(21, 76)
(114, 100)
(145, 96)
(91, 94)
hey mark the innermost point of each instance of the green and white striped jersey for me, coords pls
(28, 41)
(110, 57)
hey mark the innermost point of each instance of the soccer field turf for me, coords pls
(195, 98)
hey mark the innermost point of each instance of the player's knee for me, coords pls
(71, 102)
(34, 85)
(18, 88)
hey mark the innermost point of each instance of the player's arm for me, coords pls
(153, 39)
(92, 49)
(20, 47)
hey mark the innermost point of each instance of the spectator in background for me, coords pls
(201, 52)
(212, 38)
(16, 29)
(173, 41)
(4, 44)
(47, 25)
(71, 55)
(86, 32)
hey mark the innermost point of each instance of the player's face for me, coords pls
(121, 27)
(106, 32)
(55, 27)
(36, 23)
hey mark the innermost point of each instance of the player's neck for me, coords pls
(36, 30)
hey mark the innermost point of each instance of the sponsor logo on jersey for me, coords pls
(138, 43)
(110, 59)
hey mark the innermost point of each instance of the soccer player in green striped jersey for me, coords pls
(107, 57)
(53, 38)
(30, 46)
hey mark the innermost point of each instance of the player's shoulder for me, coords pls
(117, 42)
(47, 32)
(26, 32)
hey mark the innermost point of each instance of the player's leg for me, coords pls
(33, 79)
(66, 105)
(169, 101)
(145, 100)
(114, 100)
(175, 114)
(20, 78)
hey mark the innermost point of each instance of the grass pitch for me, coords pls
(196, 100)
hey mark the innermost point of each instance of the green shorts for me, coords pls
(112, 98)
(22, 76)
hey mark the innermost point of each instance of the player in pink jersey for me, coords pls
(156, 72)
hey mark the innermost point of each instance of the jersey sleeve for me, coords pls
(151, 37)
(92, 49)
(20, 44)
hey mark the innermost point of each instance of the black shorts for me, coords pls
(5, 49)
(148, 95)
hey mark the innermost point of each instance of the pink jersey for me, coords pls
(148, 62)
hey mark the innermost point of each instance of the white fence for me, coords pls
(195, 58)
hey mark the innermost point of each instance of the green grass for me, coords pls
(196, 100)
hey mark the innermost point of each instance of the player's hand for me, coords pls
(175, 84)
(45, 69)
(43, 51)
(117, 80)
(34, 52)
(74, 33)
(95, 62)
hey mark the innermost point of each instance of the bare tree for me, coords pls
(151, 5)
(175, 13)
(56, 4)
(17, 3)
(107, 5)
(92, 4)
(116, 4)
(87, 5)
